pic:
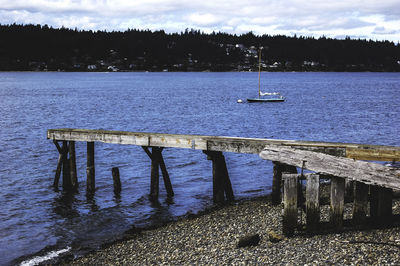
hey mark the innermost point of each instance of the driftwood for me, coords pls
(365, 172)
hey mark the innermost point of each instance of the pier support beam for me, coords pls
(72, 165)
(67, 184)
(360, 203)
(289, 221)
(222, 186)
(312, 202)
(279, 168)
(116, 180)
(157, 163)
(337, 202)
(90, 169)
(380, 205)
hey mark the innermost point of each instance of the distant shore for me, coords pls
(211, 238)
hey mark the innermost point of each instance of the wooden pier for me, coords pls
(341, 163)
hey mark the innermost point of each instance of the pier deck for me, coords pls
(225, 144)
(350, 168)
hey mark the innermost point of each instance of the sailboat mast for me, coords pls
(259, 73)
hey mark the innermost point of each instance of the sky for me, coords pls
(365, 19)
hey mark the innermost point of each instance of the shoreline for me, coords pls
(211, 237)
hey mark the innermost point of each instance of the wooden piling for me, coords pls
(167, 180)
(72, 164)
(227, 185)
(58, 171)
(337, 202)
(67, 185)
(380, 205)
(116, 180)
(312, 203)
(360, 203)
(221, 183)
(289, 222)
(90, 169)
(278, 169)
(155, 173)
(276, 183)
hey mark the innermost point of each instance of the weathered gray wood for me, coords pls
(72, 164)
(312, 203)
(360, 205)
(116, 180)
(276, 183)
(289, 222)
(278, 169)
(380, 205)
(225, 144)
(366, 172)
(167, 180)
(155, 173)
(67, 185)
(90, 168)
(337, 202)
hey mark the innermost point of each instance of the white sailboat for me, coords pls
(265, 96)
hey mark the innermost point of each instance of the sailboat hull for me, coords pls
(254, 100)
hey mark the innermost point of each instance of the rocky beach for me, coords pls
(211, 238)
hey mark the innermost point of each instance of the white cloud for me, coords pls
(375, 19)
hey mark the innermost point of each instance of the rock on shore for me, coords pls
(212, 238)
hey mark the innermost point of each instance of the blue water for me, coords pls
(342, 107)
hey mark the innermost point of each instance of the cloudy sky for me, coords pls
(366, 19)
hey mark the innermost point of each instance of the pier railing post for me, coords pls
(289, 221)
(337, 202)
(90, 169)
(312, 202)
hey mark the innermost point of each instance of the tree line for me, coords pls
(37, 47)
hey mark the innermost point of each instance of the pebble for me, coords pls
(211, 238)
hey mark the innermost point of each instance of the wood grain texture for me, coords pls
(225, 144)
(366, 172)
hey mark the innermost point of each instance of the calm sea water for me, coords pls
(36, 220)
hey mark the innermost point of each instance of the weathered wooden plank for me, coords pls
(366, 172)
(224, 144)
(289, 221)
(337, 202)
(373, 154)
(360, 205)
(312, 202)
(90, 168)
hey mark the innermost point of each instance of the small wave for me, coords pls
(48, 256)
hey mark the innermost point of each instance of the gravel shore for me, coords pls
(211, 239)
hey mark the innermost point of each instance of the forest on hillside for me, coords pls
(43, 48)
